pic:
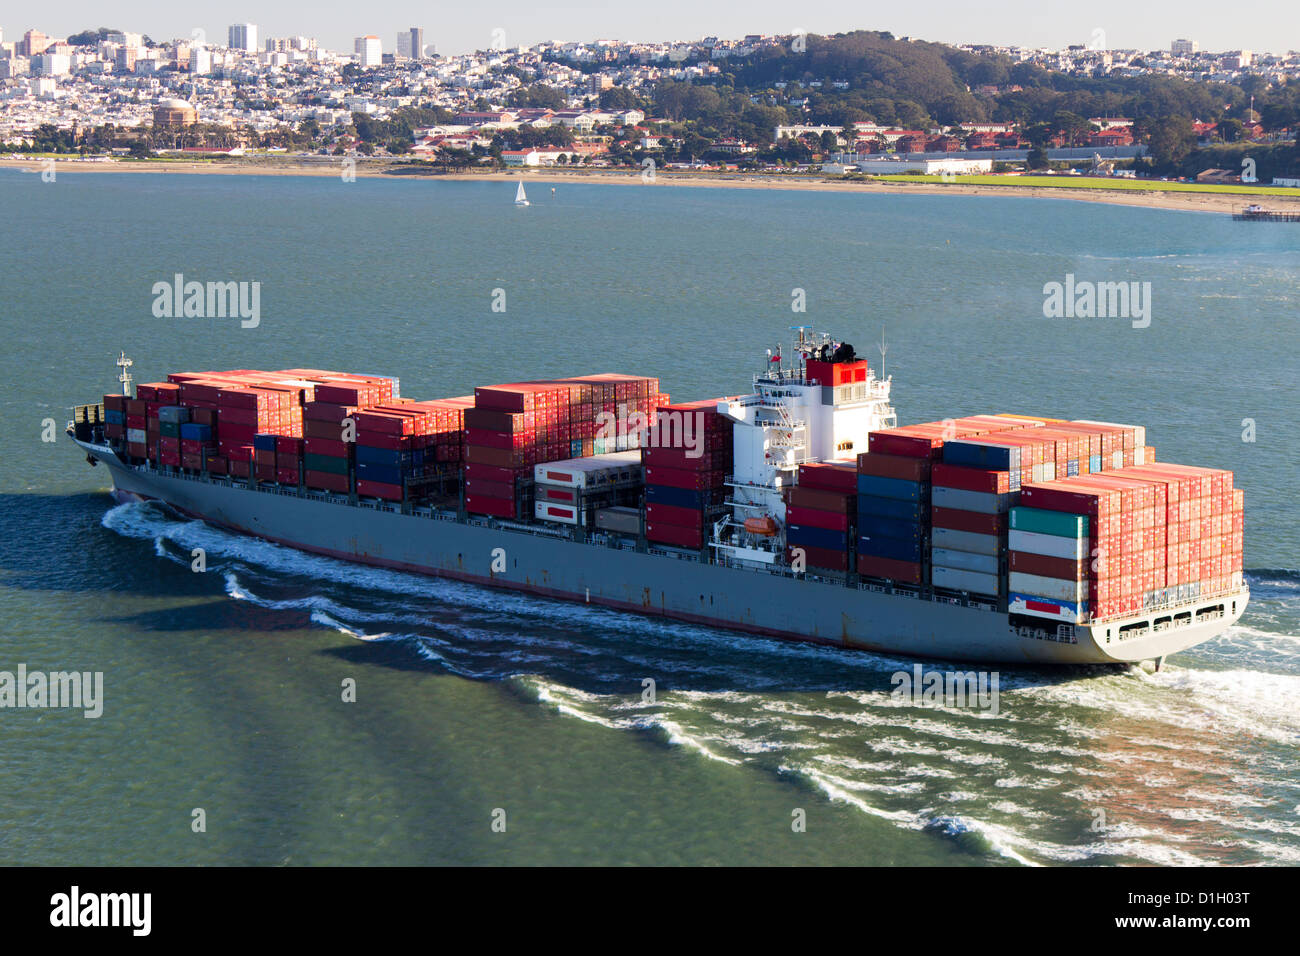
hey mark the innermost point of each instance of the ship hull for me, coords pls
(655, 582)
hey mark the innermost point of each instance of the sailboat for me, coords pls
(521, 198)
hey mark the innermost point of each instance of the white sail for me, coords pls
(521, 199)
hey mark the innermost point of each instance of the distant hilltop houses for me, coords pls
(598, 102)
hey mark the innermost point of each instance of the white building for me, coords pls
(243, 37)
(200, 61)
(928, 167)
(369, 51)
(51, 64)
(1184, 47)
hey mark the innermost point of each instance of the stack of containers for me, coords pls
(1161, 533)
(502, 439)
(1051, 545)
(1204, 530)
(385, 449)
(895, 511)
(968, 558)
(171, 418)
(197, 444)
(685, 480)
(288, 459)
(821, 516)
(569, 492)
(264, 456)
(514, 427)
(326, 456)
(115, 417)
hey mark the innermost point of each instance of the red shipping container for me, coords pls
(240, 433)
(1049, 567)
(490, 489)
(192, 462)
(676, 535)
(815, 558)
(289, 446)
(674, 515)
(379, 489)
(286, 476)
(390, 442)
(489, 472)
(823, 500)
(902, 467)
(970, 479)
(323, 446)
(908, 572)
(484, 505)
(684, 458)
(681, 478)
(914, 443)
(321, 479)
(829, 476)
(813, 518)
(217, 465)
(958, 520)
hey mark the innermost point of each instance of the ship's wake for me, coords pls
(1191, 765)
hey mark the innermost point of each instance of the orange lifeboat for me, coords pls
(764, 525)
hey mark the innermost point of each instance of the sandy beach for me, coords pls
(1155, 199)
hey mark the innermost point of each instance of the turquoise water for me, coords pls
(222, 690)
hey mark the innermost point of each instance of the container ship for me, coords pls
(798, 510)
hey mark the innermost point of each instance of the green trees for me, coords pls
(1170, 139)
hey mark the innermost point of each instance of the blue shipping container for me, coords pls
(893, 508)
(260, 442)
(896, 549)
(113, 417)
(893, 488)
(817, 537)
(677, 497)
(384, 456)
(976, 453)
(388, 474)
(870, 525)
(192, 432)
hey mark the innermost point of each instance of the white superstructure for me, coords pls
(821, 406)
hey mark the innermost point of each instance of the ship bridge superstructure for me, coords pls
(815, 401)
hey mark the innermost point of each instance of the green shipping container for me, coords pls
(327, 463)
(1041, 521)
(169, 429)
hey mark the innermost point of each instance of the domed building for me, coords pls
(174, 114)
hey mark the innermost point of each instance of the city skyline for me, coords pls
(1109, 24)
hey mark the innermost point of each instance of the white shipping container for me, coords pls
(957, 580)
(1051, 545)
(136, 436)
(964, 561)
(1057, 588)
(592, 471)
(555, 511)
(1060, 611)
(980, 501)
(970, 541)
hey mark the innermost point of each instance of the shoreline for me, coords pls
(1179, 201)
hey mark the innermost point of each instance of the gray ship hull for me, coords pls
(665, 582)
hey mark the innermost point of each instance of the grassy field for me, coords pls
(1087, 182)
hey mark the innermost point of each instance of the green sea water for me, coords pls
(222, 690)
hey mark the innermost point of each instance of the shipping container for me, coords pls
(893, 488)
(619, 519)
(962, 500)
(1058, 589)
(1065, 612)
(956, 579)
(968, 541)
(964, 560)
(904, 572)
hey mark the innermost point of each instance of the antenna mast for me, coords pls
(124, 376)
(883, 349)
